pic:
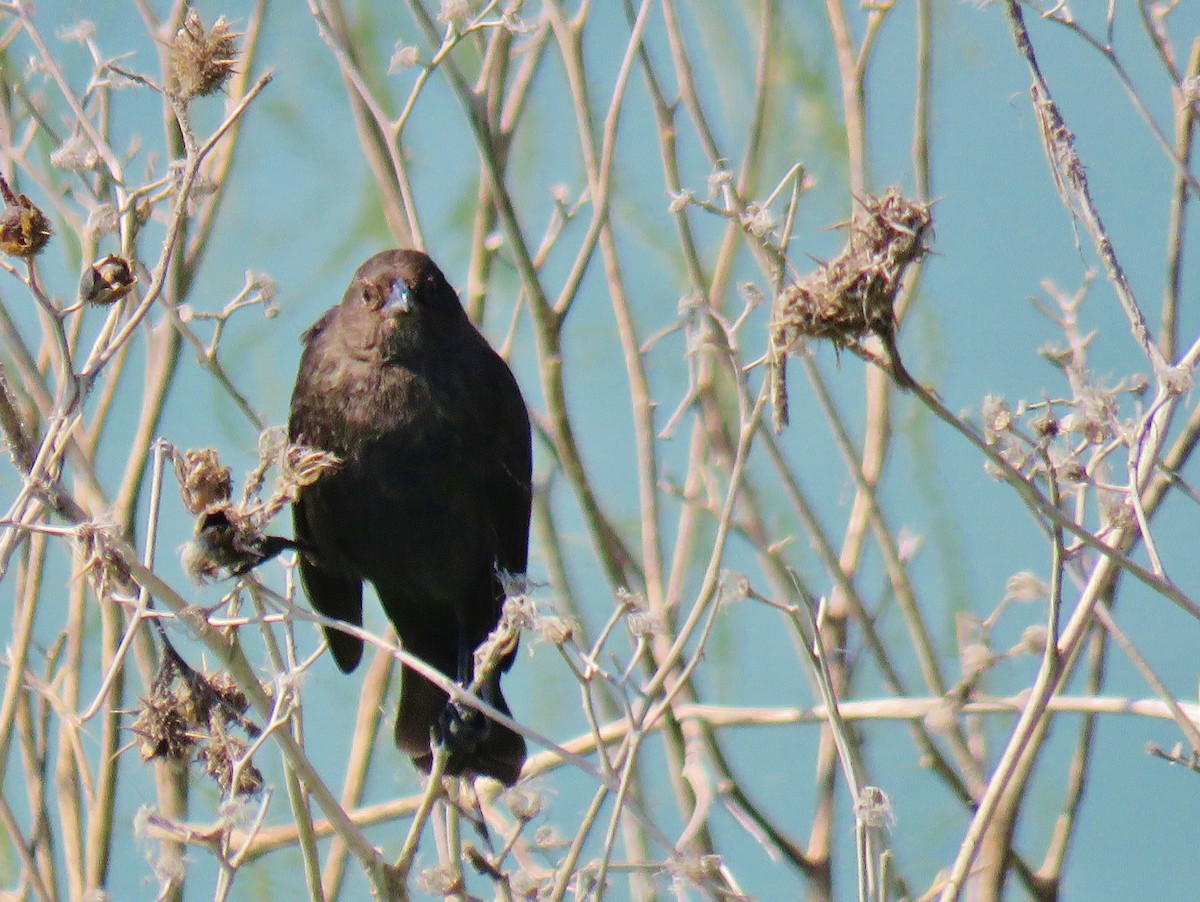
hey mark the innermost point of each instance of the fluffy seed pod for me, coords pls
(106, 281)
(24, 229)
(202, 60)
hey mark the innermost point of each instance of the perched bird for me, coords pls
(431, 501)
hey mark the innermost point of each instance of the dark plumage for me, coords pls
(431, 501)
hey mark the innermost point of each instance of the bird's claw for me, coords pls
(461, 729)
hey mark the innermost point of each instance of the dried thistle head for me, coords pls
(164, 726)
(854, 293)
(100, 562)
(202, 60)
(106, 281)
(221, 756)
(24, 229)
(203, 481)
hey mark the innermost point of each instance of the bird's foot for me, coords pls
(461, 729)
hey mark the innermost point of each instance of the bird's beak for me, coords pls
(399, 299)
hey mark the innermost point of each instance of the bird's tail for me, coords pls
(477, 745)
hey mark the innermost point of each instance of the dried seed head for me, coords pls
(300, 466)
(221, 756)
(873, 808)
(976, 658)
(523, 804)
(106, 281)
(853, 294)
(77, 154)
(997, 415)
(527, 886)
(203, 482)
(24, 229)
(201, 60)
(404, 56)
(440, 880)
(555, 630)
(162, 727)
(1045, 426)
(231, 695)
(226, 542)
(1034, 639)
(1025, 586)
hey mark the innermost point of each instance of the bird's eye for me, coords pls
(373, 295)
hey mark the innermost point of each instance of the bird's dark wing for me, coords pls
(509, 477)
(331, 591)
(333, 594)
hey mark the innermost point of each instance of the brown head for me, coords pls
(412, 306)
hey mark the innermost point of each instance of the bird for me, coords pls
(430, 502)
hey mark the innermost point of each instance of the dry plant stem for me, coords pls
(1186, 724)
(911, 710)
(997, 843)
(297, 797)
(35, 733)
(378, 135)
(666, 129)
(1050, 873)
(1072, 181)
(1185, 130)
(433, 792)
(32, 872)
(598, 164)
(1039, 505)
(18, 654)
(366, 734)
(377, 145)
(1070, 642)
(117, 663)
(1105, 48)
(218, 174)
(66, 778)
(111, 162)
(868, 469)
(925, 743)
(242, 671)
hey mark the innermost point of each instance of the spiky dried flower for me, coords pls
(518, 613)
(854, 294)
(24, 229)
(163, 726)
(222, 758)
(202, 60)
(106, 281)
(101, 563)
(454, 12)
